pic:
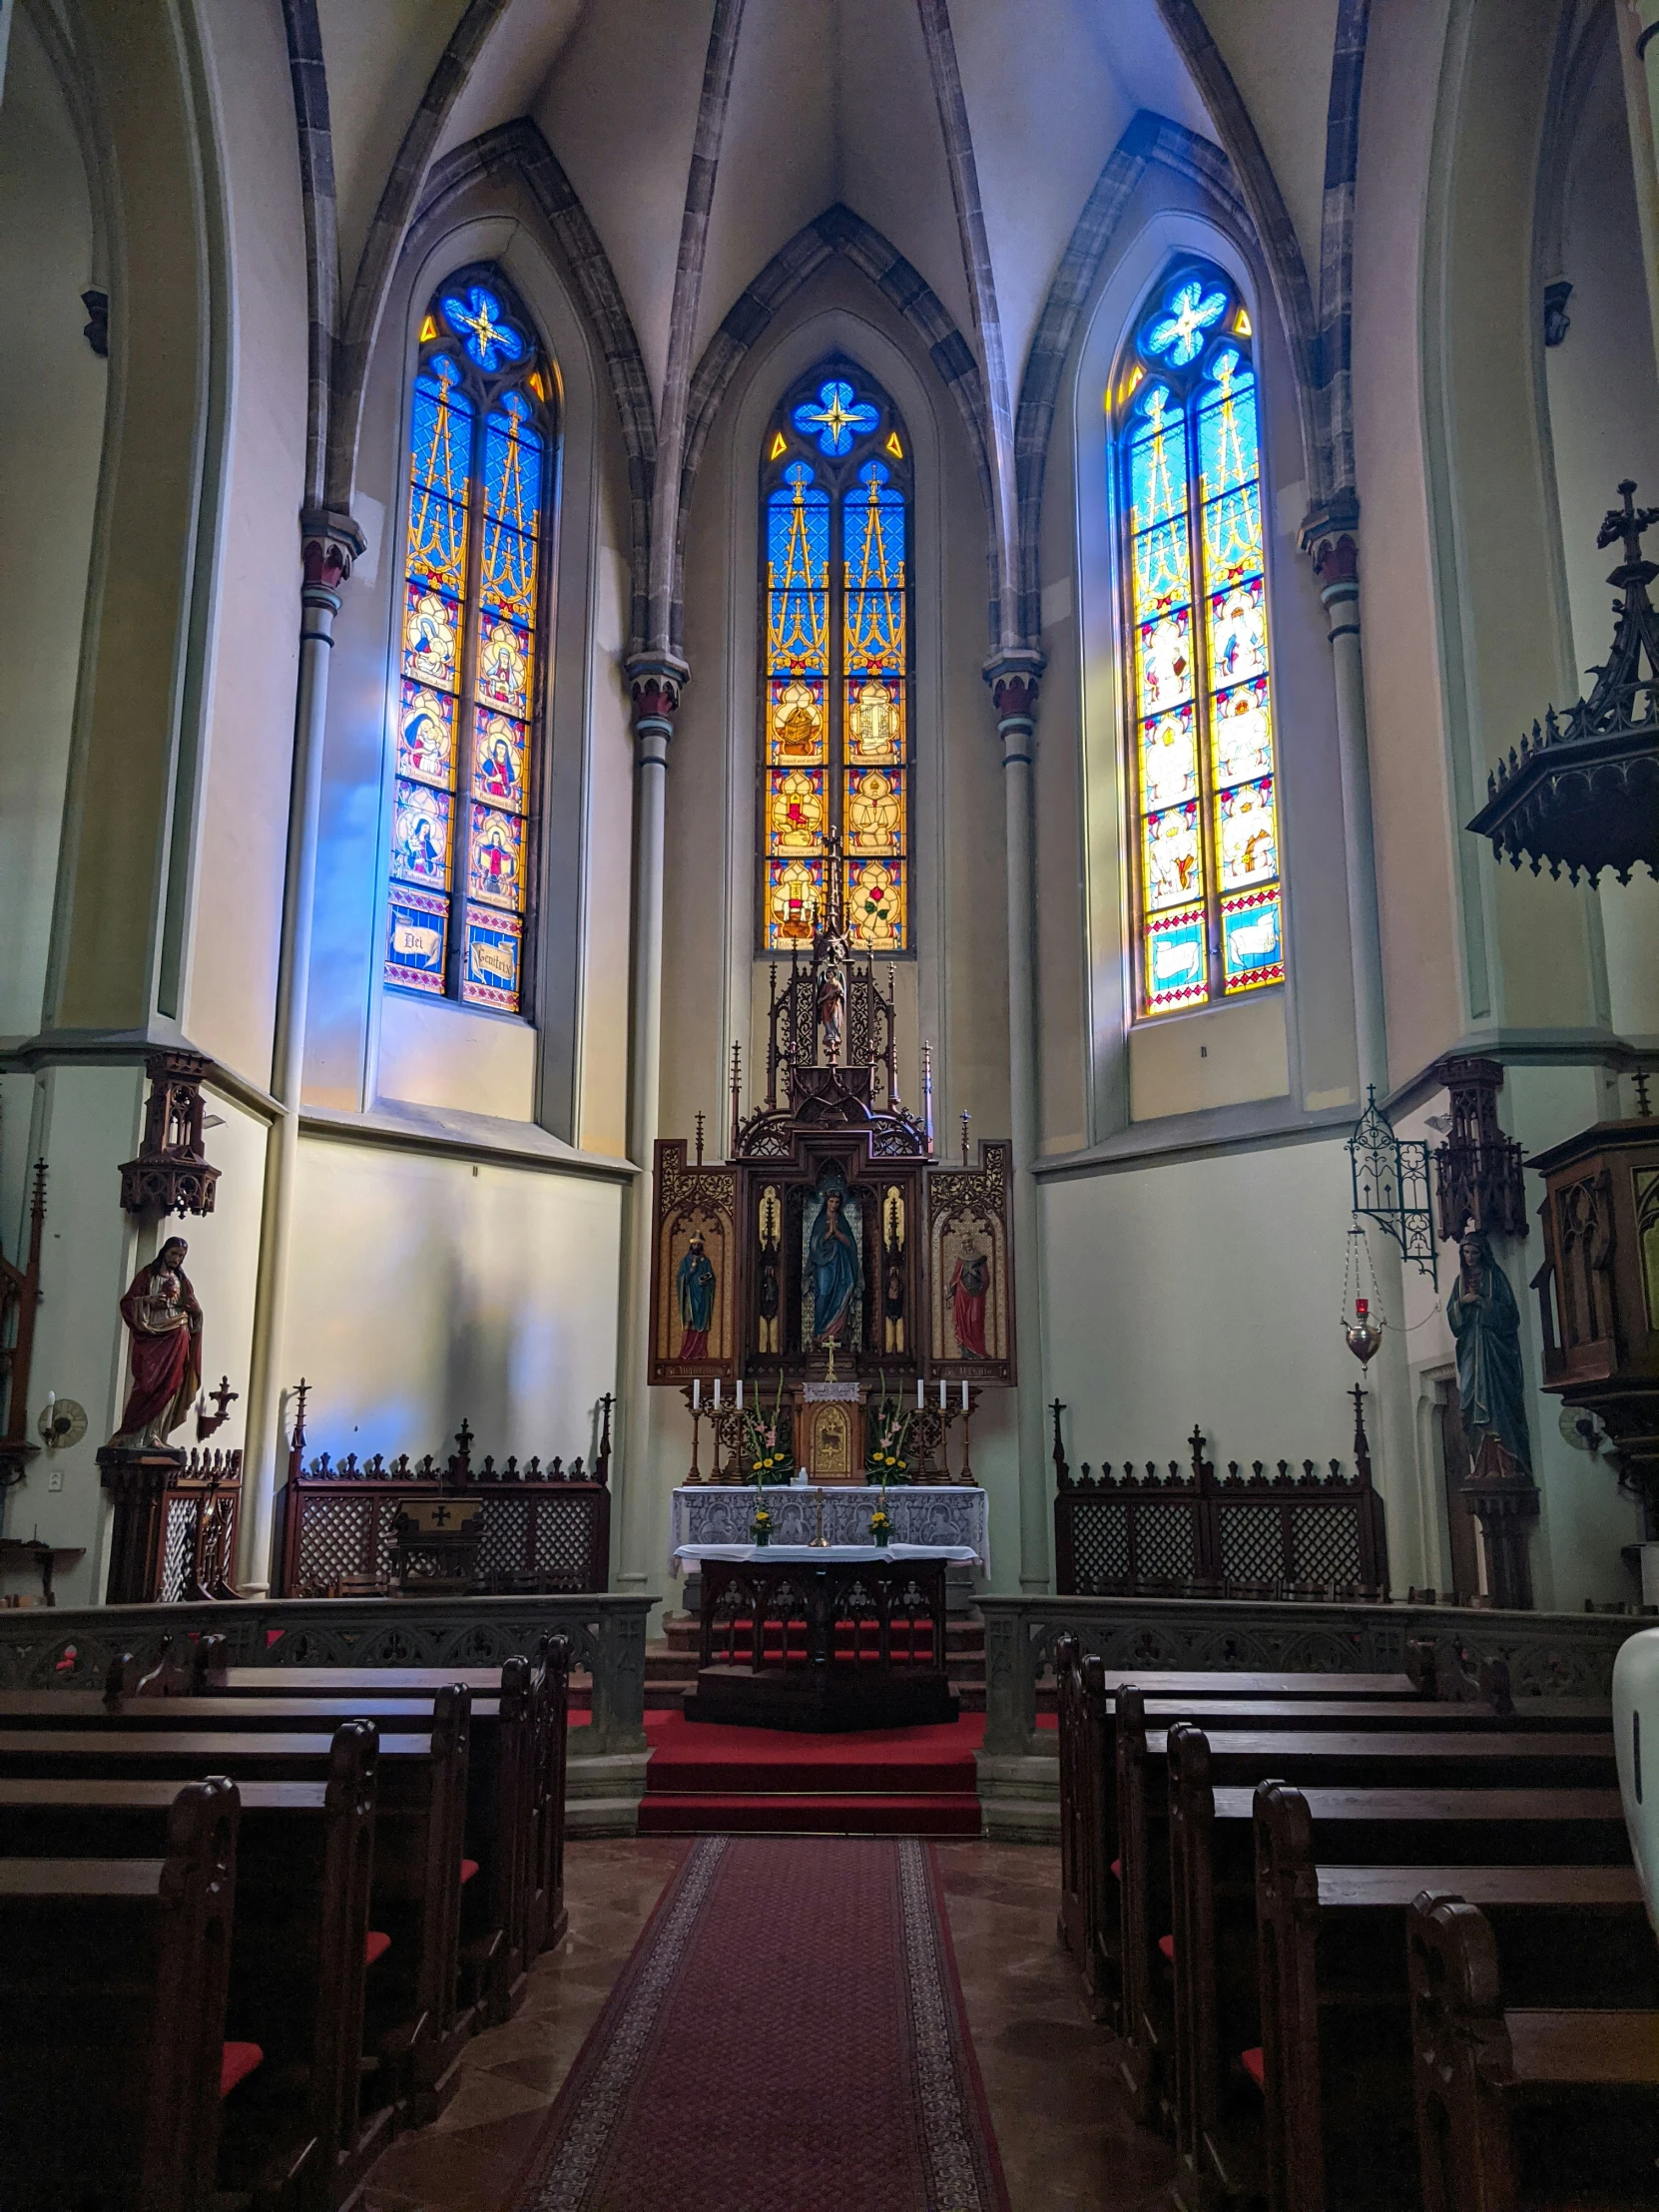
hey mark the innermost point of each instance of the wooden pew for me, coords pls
(1215, 1969)
(416, 2017)
(1567, 2099)
(297, 1951)
(501, 1780)
(1089, 1918)
(1339, 2118)
(1130, 1891)
(1442, 1751)
(112, 1977)
(544, 1916)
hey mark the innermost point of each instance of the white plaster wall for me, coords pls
(424, 1288)
(1209, 1290)
(52, 389)
(248, 741)
(1604, 425)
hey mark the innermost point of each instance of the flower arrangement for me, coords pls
(769, 1455)
(889, 1440)
(881, 1521)
(768, 1459)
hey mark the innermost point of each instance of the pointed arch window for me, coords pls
(835, 740)
(1208, 889)
(472, 676)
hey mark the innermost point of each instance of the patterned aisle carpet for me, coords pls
(787, 2036)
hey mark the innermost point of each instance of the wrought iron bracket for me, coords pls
(1390, 1184)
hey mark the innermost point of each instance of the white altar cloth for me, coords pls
(955, 1555)
(933, 1517)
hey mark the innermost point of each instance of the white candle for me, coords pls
(739, 1394)
(717, 1394)
(918, 1394)
(965, 1397)
(696, 1393)
(941, 1397)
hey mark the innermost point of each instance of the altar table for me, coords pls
(938, 1518)
(839, 1637)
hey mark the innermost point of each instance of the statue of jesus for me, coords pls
(165, 1321)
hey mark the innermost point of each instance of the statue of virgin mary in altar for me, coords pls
(832, 1264)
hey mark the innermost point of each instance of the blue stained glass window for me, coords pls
(1191, 308)
(478, 319)
(1208, 889)
(836, 742)
(479, 442)
(836, 418)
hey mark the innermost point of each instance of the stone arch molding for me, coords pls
(837, 230)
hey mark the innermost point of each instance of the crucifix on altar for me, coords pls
(832, 1286)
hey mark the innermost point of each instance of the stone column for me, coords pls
(1330, 538)
(1015, 676)
(329, 543)
(655, 682)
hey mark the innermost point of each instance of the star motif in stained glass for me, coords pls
(838, 419)
(1180, 332)
(477, 322)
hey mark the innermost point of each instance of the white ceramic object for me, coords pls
(1636, 1740)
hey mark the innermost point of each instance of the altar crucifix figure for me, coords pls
(162, 1313)
(832, 1262)
(970, 1280)
(694, 1284)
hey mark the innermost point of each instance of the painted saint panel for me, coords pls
(694, 1275)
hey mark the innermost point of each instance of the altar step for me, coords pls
(671, 1662)
(706, 1780)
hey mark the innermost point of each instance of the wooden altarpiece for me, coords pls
(831, 1227)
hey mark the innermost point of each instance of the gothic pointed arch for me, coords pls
(837, 230)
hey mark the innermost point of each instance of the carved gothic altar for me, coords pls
(833, 1263)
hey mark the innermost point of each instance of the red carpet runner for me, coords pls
(706, 1780)
(787, 2036)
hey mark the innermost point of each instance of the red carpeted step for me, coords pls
(705, 1759)
(714, 1814)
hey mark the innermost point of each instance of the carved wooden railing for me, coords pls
(546, 1529)
(1308, 1532)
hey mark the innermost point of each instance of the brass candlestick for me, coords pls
(695, 1474)
(821, 1541)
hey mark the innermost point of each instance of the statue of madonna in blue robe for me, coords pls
(1485, 1321)
(832, 1262)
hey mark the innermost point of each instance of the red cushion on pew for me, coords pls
(1254, 2065)
(1165, 1943)
(376, 1946)
(469, 1867)
(236, 2062)
(1117, 1870)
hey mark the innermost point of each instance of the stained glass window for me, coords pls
(835, 750)
(472, 667)
(1206, 865)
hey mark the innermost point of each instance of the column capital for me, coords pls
(655, 682)
(1015, 675)
(1330, 539)
(329, 542)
